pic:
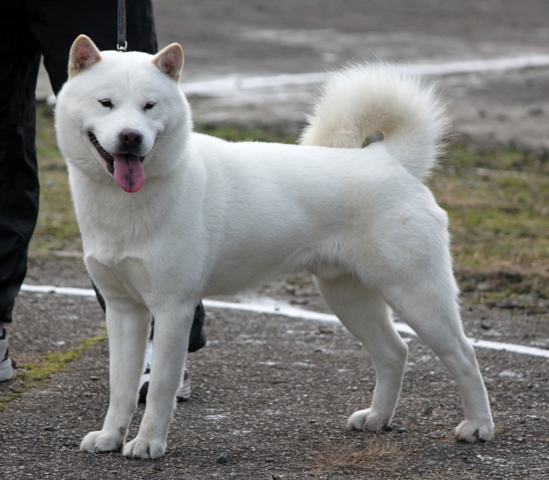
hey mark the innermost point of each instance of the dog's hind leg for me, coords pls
(128, 327)
(428, 304)
(366, 315)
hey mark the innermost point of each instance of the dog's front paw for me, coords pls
(141, 447)
(100, 442)
(472, 431)
(369, 419)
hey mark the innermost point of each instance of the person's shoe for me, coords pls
(146, 376)
(6, 370)
(183, 393)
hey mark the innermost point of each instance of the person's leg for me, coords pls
(19, 187)
(57, 23)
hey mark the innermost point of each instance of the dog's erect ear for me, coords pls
(170, 60)
(83, 55)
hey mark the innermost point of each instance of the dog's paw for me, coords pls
(474, 431)
(369, 419)
(100, 442)
(141, 447)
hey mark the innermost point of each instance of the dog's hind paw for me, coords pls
(369, 419)
(101, 442)
(472, 431)
(144, 448)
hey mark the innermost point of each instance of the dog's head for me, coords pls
(123, 109)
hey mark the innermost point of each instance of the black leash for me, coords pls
(122, 45)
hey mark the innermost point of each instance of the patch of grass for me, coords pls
(235, 134)
(350, 459)
(56, 229)
(464, 155)
(31, 375)
(498, 204)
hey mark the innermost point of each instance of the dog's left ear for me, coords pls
(83, 55)
(170, 60)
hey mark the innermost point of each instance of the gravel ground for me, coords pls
(271, 396)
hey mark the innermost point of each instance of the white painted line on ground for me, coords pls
(225, 85)
(79, 292)
(275, 307)
(233, 84)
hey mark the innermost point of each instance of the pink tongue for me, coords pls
(128, 172)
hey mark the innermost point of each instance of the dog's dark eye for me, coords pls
(149, 105)
(106, 103)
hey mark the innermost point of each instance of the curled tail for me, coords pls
(361, 100)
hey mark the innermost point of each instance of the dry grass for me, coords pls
(56, 230)
(344, 459)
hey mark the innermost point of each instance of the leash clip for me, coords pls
(122, 45)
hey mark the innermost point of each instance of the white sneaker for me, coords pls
(183, 393)
(6, 370)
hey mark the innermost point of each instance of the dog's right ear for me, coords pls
(84, 54)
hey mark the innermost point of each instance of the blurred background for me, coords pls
(228, 44)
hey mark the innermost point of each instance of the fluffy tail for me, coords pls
(361, 100)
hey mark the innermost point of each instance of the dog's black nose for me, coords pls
(130, 137)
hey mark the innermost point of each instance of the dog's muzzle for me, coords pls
(126, 168)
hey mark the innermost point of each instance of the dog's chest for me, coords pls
(128, 276)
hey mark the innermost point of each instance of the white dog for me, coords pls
(169, 216)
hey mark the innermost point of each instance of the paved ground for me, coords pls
(274, 392)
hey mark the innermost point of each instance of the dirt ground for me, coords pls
(271, 394)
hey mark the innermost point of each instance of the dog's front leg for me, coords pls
(171, 339)
(127, 327)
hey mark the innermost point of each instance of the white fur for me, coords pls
(215, 217)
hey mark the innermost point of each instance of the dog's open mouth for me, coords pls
(126, 168)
